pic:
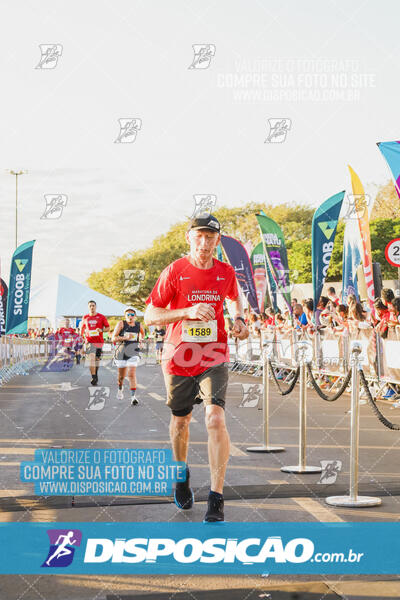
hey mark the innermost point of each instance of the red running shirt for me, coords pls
(181, 285)
(67, 336)
(92, 328)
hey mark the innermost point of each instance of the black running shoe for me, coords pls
(134, 401)
(183, 493)
(215, 510)
(94, 380)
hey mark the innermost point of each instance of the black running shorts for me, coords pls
(208, 387)
(94, 349)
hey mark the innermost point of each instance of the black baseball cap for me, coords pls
(205, 222)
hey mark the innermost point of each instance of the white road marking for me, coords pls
(235, 451)
(156, 396)
(318, 510)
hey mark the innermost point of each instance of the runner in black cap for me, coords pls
(189, 297)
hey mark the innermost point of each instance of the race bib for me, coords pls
(199, 331)
(92, 332)
(134, 338)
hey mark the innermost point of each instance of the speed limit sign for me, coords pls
(392, 253)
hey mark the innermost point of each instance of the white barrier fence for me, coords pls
(19, 355)
(380, 357)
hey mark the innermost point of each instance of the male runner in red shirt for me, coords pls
(67, 338)
(67, 335)
(92, 327)
(189, 296)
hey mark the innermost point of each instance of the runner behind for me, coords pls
(92, 327)
(159, 334)
(67, 335)
(78, 345)
(127, 335)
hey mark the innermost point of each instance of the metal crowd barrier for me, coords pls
(19, 355)
(389, 354)
(245, 355)
(379, 357)
(293, 349)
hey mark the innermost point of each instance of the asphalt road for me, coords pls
(47, 409)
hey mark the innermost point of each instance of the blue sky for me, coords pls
(203, 130)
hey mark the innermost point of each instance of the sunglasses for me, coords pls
(130, 314)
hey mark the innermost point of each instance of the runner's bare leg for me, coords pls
(92, 363)
(179, 435)
(121, 375)
(132, 376)
(218, 446)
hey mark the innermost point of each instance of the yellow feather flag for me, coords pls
(361, 210)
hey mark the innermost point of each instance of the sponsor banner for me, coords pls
(19, 289)
(323, 229)
(276, 255)
(272, 290)
(240, 261)
(351, 259)
(3, 306)
(249, 247)
(391, 153)
(263, 278)
(363, 223)
(260, 277)
(200, 549)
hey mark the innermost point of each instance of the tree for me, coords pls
(237, 222)
(240, 223)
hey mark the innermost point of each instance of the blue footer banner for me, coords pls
(194, 548)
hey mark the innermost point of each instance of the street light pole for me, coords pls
(16, 173)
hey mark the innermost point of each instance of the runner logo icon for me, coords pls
(278, 129)
(97, 397)
(203, 204)
(252, 394)
(61, 551)
(128, 129)
(330, 471)
(55, 204)
(50, 53)
(133, 280)
(203, 53)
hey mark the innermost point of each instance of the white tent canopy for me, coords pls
(63, 297)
